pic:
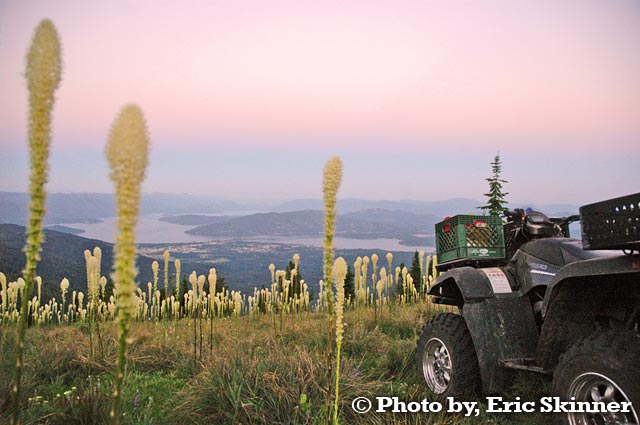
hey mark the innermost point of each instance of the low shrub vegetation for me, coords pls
(253, 376)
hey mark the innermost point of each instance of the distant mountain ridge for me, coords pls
(350, 205)
(196, 219)
(64, 208)
(441, 209)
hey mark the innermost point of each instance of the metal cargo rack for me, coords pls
(612, 224)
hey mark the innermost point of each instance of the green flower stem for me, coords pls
(127, 152)
(339, 275)
(43, 74)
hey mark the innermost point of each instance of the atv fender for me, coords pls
(502, 328)
(614, 270)
(585, 296)
(461, 285)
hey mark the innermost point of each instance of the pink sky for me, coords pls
(561, 78)
(413, 71)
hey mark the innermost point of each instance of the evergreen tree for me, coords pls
(496, 197)
(296, 286)
(262, 301)
(414, 271)
(349, 285)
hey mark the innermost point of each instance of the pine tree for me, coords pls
(415, 271)
(495, 203)
(349, 285)
(296, 284)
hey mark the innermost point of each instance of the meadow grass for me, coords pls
(253, 375)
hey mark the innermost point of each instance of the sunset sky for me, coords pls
(248, 99)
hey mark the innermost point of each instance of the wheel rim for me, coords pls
(437, 365)
(593, 387)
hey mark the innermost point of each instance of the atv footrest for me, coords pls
(527, 364)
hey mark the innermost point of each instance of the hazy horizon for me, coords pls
(276, 201)
(247, 100)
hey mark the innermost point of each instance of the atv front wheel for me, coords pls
(603, 367)
(446, 358)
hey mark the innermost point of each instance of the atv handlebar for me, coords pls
(565, 221)
(518, 218)
(518, 214)
(514, 215)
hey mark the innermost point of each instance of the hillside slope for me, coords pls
(63, 256)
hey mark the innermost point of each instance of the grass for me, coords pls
(253, 376)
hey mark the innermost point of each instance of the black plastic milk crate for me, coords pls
(612, 224)
(477, 238)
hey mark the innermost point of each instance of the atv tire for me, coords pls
(446, 358)
(604, 366)
(569, 318)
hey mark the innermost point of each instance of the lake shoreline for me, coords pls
(151, 229)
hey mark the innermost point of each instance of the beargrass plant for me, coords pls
(43, 73)
(166, 256)
(212, 278)
(339, 275)
(154, 311)
(92, 292)
(193, 279)
(176, 264)
(331, 184)
(96, 300)
(374, 260)
(389, 281)
(332, 177)
(39, 284)
(3, 294)
(363, 280)
(127, 152)
(199, 302)
(423, 278)
(64, 287)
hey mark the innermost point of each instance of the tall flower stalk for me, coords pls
(176, 263)
(166, 256)
(64, 287)
(212, 278)
(43, 73)
(339, 275)
(331, 184)
(332, 176)
(127, 152)
(389, 280)
(3, 293)
(154, 303)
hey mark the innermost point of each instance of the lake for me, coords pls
(151, 230)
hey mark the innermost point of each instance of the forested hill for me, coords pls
(408, 227)
(63, 256)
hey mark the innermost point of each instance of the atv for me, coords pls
(530, 298)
